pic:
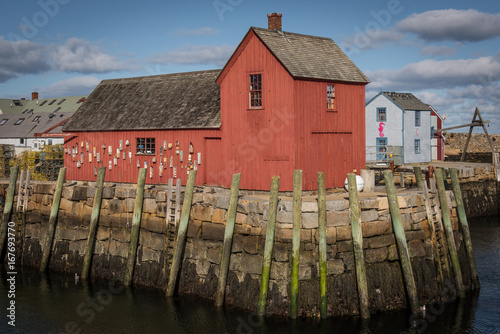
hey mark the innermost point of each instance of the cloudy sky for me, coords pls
(447, 53)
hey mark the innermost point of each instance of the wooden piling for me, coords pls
(399, 232)
(136, 227)
(323, 273)
(418, 176)
(228, 240)
(7, 210)
(445, 212)
(357, 237)
(465, 226)
(94, 219)
(297, 212)
(181, 234)
(268, 248)
(49, 238)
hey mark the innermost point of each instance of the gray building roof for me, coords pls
(310, 57)
(38, 116)
(169, 101)
(407, 101)
(9, 106)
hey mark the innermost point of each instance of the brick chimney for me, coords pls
(274, 21)
(34, 96)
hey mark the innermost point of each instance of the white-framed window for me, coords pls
(417, 146)
(381, 115)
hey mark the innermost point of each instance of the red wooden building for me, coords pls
(282, 102)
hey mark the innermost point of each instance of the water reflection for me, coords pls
(57, 304)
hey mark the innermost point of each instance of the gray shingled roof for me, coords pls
(170, 101)
(407, 101)
(31, 124)
(311, 57)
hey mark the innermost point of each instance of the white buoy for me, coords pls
(360, 183)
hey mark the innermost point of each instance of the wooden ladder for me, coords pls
(21, 208)
(173, 210)
(438, 237)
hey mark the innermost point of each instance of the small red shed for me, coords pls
(283, 101)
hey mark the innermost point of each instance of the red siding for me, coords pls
(127, 171)
(257, 143)
(331, 142)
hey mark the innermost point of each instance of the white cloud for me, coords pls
(82, 56)
(362, 41)
(22, 57)
(194, 32)
(71, 87)
(199, 54)
(452, 24)
(434, 74)
(433, 50)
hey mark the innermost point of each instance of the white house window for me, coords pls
(22, 141)
(381, 115)
(417, 146)
(19, 121)
(417, 118)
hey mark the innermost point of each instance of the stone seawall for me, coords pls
(200, 266)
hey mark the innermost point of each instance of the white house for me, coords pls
(398, 127)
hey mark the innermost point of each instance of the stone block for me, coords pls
(348, 259)
(280, 271)
(373, 228)
(258, 206)
(309, 220)
(123, 193)
(219, 216)
(393, 253)
(305, 272)
(103, 233)
(161, 209)
(381, 241)
(345, 246)
(120, 234)
(153, 223)
(417, 217)
(338, 218)
(242, 262)
(75, 193)
(201, 212)
(337, 205)
(251, 244)
(47, 200)
(107, 192)
(241, 219)
(414, 235)
(368, 203)
(243, 206)
(331, 235)
(212, 231)
(146, 254)
(128, 205)
(152, 240)
(78, 246)
(344, 233)
(44, 188)
(149, 206)
(309, 207)
(376, 255)
(383, 203)
(335, 267)
(161, 196)
(222, 201)
(238, 243)
(286, 235)
(214, 255)
(406, 219)
(368, 216)
(402, 202)
(284, 217)
(416, 248)
(281, 252)
(67, 205)
(117, 248)
(194, 229)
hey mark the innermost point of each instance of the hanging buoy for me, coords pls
(130, 156)
(177, 147)
(121, 145)
(161, 150)
(360, 183)
(161, 168)
(145, 164)
(90, 157)
(189, 157)
(127, 143)
(98, 157)
(154, 160)
(151, 172)
(124, 155)
(199, 158)
(117, 152)
(109, 150)
(110, 165)
(78, 164)
(95, 170)
(138, 163)
(181, 156)
(87, 146)
(171, 162)
(115, 160)
(94, 152)
(170, 145)
(195, 165)
(175, 172)
(191, 148)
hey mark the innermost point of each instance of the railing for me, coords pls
(383, 154)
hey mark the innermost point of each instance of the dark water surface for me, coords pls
(56, 304)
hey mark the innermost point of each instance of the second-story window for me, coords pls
(255, 91)
(330, 97)
(417, 118)
(381, 115)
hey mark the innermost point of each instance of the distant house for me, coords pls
(437, 141)
(283, 101)
(37, 122)
(398, 127)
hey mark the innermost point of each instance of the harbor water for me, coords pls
(56, 303)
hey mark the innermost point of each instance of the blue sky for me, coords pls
(447, 53)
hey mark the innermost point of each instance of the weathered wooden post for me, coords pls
(465, 226)
(445, 212)
(418, 176)
(181, 235)
(297, 212)
(268, 248)
(323, 273)
(228, 240)
(7, 210)
(94, 219)
(399, 232)
(49, 238)
(357, 237)
(136, 227)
